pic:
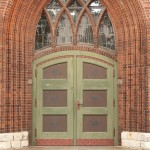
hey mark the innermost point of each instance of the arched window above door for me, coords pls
(75, 22)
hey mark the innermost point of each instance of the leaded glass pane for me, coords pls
(64, 1)
(85, 32)
(75, 9)
(96, 8)
(64, 32)
(53, 8)
(43, 35)
(85, 1)
(106, 33)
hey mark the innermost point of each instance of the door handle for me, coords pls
(78, 104)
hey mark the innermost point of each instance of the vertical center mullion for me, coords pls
(75, 99)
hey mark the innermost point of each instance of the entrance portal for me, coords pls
(74, 100)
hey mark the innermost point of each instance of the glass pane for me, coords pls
(53, 8)
(64, 31)
(58, 71)
(54, 123)
(95, 98)
(95, 123)
(75, 9)
(106, 33)
(52, 98)
(91, 71)
(64, 1)
(43, 35)
(96, 8)
(86, 1)
(85, 32)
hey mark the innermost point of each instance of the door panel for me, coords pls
(74, 102)
(94, 98)
(57, 71)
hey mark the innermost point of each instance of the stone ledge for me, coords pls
(137, 140)
(14, 140)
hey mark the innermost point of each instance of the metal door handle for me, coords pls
(78, 104)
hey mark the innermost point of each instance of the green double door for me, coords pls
(74, 101)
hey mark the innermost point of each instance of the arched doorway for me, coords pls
(74, 95)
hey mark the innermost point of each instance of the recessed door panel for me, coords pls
(94, 123)
(94, 98)
(56, 71)
(93, 71)
(54, 98)
(54, 123)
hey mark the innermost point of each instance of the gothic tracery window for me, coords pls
(106, 34)
(53, 9)
(75, 9)
(85, 17)
(85, 33)
(43, 35)
(64, 33)
(96, 8)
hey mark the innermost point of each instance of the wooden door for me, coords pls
(74, 102)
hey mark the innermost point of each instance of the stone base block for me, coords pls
(147, 137)
(145, 145)
(18, 136)
(16, 144)
(5, 145)
(5, 137)
(24, 143)
(125, 143)
(132, 135)
(25, 135)
(135, 144)
(124, 135)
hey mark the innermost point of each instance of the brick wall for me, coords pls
(131, 21)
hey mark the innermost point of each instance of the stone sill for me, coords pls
(135, 140)
(14, 140)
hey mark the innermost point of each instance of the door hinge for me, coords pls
(35, 73)
(35, 102)
(35, 132)
(114, 103)
(114, 73)
(114, 132)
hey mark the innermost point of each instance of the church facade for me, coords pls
(74, 72)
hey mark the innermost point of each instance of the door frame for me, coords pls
(63, 54)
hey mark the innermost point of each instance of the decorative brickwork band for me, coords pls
(95, 142)
(54, 142)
